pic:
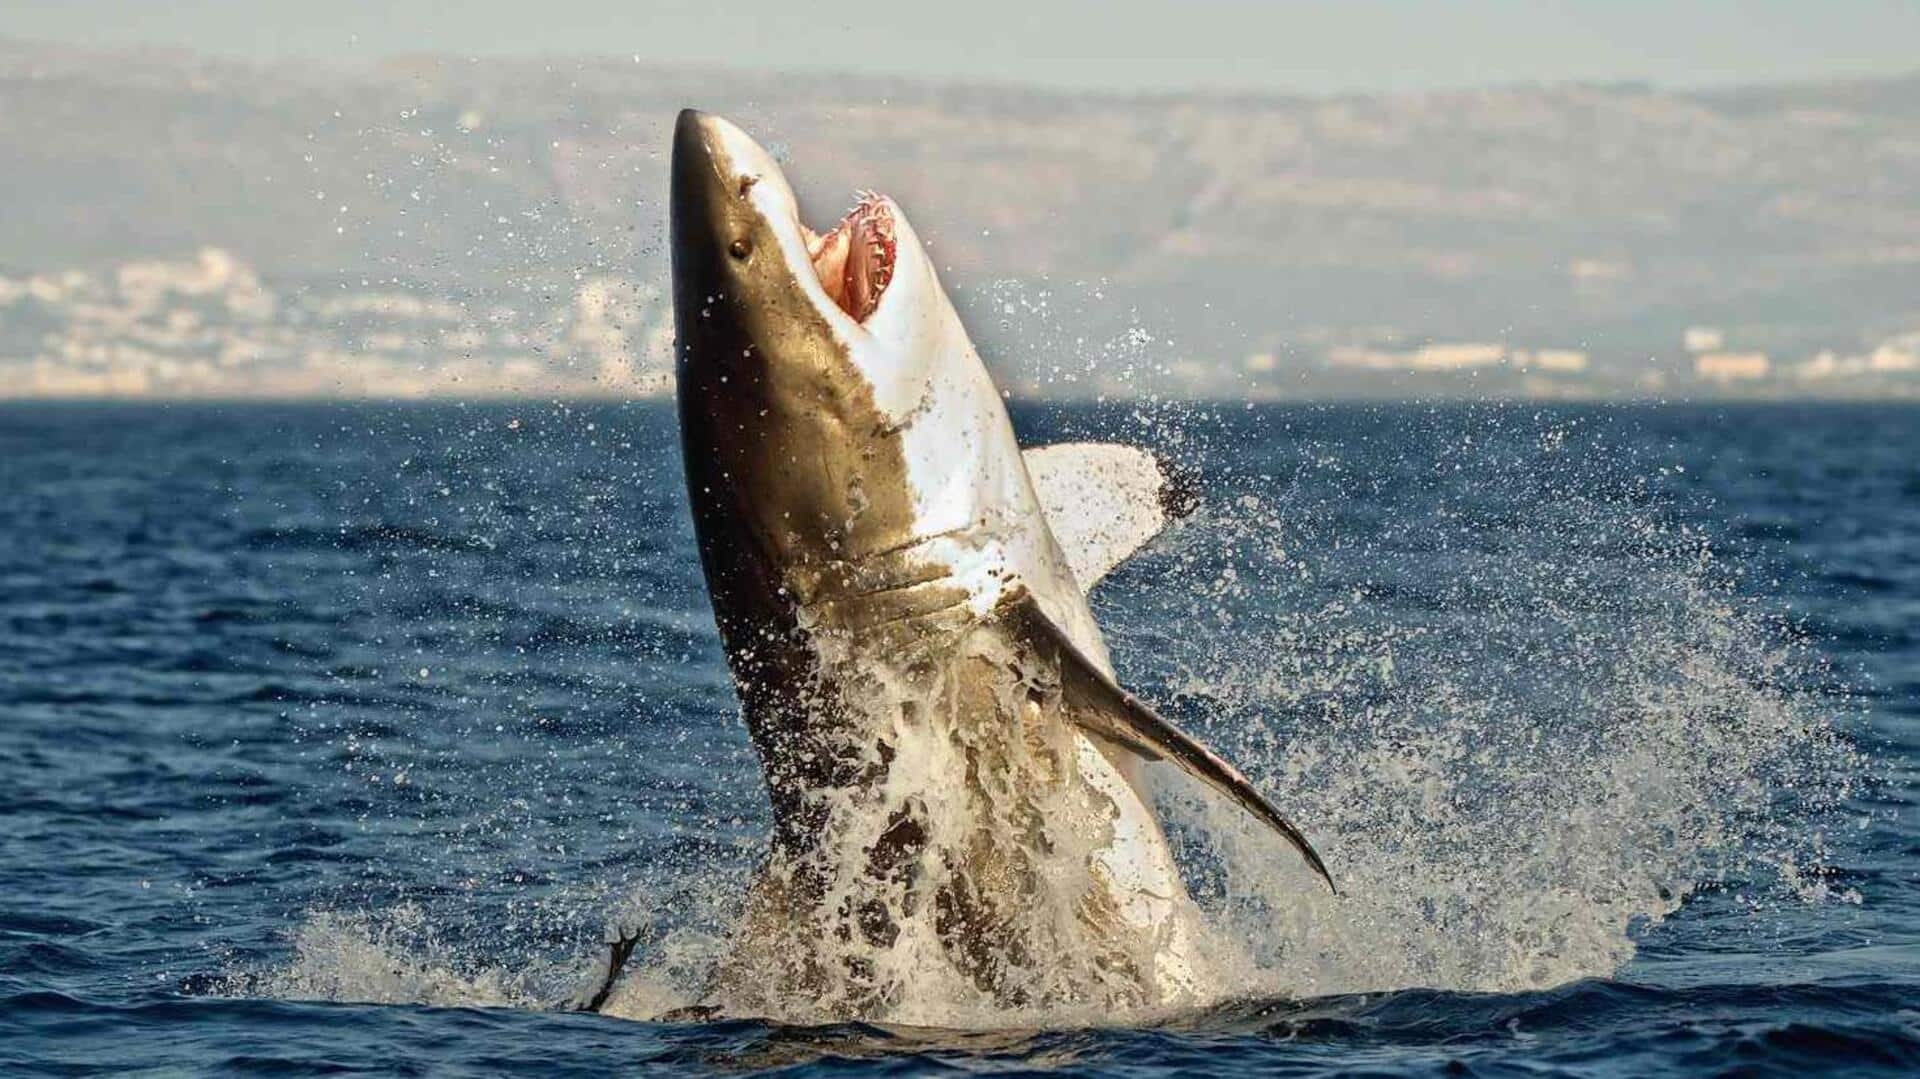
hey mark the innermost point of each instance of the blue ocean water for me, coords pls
(333, 738)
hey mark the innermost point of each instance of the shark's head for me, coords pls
(802, 359)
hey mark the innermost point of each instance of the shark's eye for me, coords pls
(739, 249)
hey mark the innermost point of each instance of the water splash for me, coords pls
(1524, 719)
(1522, 707)
(391, 957)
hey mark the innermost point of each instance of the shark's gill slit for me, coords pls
(855, 259)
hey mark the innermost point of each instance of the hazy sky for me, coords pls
(1117, 44)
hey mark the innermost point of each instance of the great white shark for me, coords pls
(954, 772)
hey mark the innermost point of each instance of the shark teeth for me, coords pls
(855, 260)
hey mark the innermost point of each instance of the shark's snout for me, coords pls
(706, 214)
(690, 143)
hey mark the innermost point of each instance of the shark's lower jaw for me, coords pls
(855, 260)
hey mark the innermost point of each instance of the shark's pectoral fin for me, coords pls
(1104, 501)
(1097, 704)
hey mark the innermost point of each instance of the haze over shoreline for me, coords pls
(191, 227)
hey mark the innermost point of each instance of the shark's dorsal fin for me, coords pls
(1096, 703)
(1104, 501)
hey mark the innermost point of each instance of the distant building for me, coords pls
(1700, 339)
(1825, 365)
(1436, 357)
(1896, 356)
(1731, 366)
(1599, 269)
(1561, 361)
(1457, 357)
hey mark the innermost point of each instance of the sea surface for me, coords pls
(335, 738)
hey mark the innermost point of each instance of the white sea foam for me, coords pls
(387, 957)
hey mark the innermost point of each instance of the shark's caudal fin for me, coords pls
(1104, 501)
(1097, 704)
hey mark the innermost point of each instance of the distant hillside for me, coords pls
(1303, 244)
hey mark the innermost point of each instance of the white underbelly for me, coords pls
(1140, 871)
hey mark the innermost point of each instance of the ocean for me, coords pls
(335, 738)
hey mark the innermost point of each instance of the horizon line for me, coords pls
(380, 64)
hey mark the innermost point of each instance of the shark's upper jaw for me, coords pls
(845, 271)
(855, 261)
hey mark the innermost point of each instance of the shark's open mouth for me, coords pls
(855, 260)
